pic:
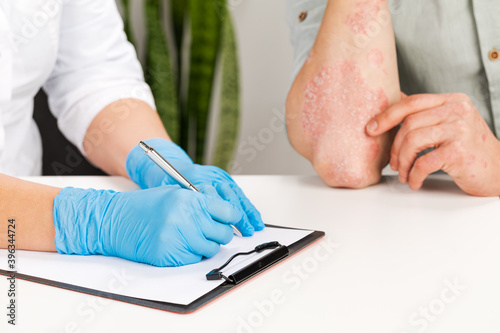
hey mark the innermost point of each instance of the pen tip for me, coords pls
(143, 145)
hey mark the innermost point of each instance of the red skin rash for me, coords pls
(375, 58)
(338, 103)
(471, 159)
(366, 12)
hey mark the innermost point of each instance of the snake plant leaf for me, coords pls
(178, 14)
(228, 120)
(127, 21)
(205, 40)
(178, 10)
(159, 70)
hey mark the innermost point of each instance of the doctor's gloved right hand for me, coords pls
(164, 226)
(148, 175)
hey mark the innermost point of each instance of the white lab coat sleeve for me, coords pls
(95, 67)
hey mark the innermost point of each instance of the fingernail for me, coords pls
(372, 126)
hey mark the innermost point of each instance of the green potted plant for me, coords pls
(185, 113)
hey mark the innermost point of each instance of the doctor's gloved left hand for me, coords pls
(164, 226)
(148, 175)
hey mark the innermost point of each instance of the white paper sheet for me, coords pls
(180, 285)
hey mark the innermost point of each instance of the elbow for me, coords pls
(290, 125)
(343, 157)
(350, 159)
(297, 138)
(347, 172)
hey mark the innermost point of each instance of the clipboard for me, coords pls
(246, 273)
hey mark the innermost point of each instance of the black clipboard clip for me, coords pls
(279, 252)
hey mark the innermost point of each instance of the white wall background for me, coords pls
(266, 67)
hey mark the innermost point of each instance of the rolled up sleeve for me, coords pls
(304, 18)
(95, 67)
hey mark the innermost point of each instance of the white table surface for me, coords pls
(389, 256)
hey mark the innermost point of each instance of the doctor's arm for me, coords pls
(117, 129)
(349, 77)
(165, 226)
(104, 107)
(111, 143)
(30, 205)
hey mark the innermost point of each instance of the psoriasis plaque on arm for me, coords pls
(338, 103)
(375, 58)
(366, 12)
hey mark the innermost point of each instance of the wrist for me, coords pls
(144, 172)
(78, 221)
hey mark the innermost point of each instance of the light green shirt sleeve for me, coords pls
(304, 18)
(442, 47)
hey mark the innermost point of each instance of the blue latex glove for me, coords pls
(165, 226)
(148, 175)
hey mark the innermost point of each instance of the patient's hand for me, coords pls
(465, 147)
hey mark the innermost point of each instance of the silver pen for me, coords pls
(173, 172)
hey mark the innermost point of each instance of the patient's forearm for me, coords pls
(30, 206)
(349, 76)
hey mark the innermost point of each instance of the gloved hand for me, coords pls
(147, 175)
(164, 226)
